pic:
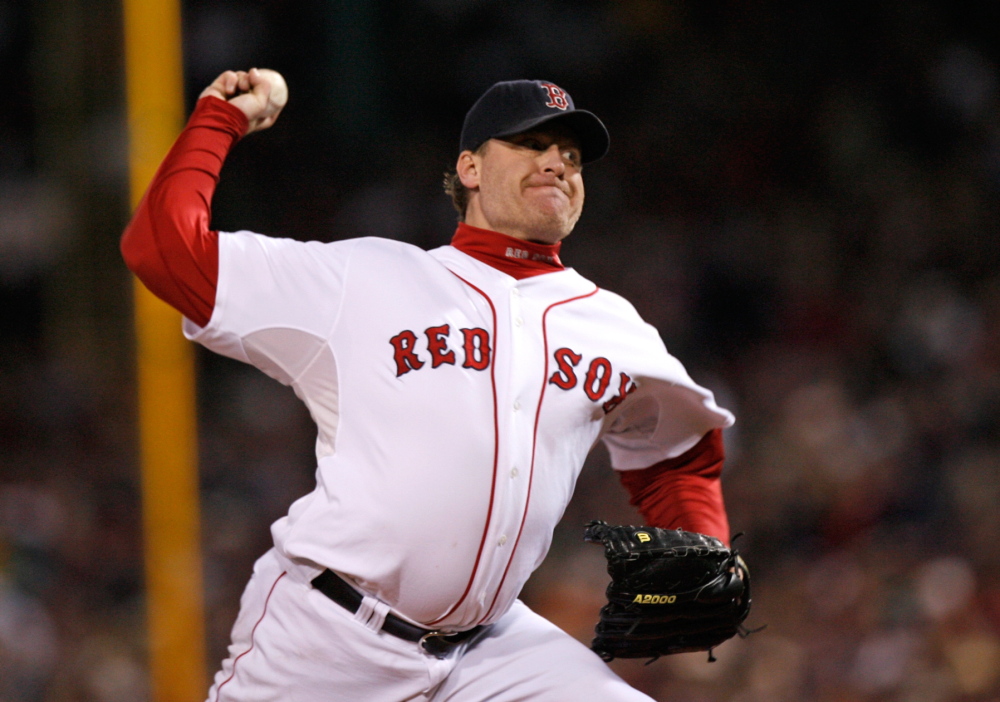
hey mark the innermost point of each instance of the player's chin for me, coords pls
(554, 226)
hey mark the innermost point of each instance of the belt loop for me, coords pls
(372, 613)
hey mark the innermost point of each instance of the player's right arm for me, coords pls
(169, 244)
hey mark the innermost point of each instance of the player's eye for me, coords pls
(573, 156)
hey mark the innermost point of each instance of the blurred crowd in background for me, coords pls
(801, 197)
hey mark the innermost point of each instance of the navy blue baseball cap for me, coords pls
(516, 106)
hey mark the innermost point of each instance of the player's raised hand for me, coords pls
(260, 93)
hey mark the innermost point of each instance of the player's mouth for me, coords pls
(556, 185)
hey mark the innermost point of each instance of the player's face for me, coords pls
(531, 185)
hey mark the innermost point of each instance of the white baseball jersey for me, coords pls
(455, 406)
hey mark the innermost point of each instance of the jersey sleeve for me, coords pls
(277, 301)
(667, 414)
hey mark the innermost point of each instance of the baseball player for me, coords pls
(456, 393)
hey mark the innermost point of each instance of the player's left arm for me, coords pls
(683, 492)
(665, 437)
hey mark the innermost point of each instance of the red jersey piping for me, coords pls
(496, 459)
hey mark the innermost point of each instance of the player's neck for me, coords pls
(515, 257)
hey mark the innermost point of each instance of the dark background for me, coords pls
(802, 197)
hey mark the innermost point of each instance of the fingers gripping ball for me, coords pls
(671, 591)
(260, 93)
(278, 97)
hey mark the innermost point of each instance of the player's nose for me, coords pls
(551, 160)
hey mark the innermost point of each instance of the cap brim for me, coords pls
(593, 135)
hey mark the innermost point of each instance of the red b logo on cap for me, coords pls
(557, 96)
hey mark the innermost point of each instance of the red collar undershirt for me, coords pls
(515, 257)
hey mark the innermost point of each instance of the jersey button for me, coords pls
(513, 472)
(518, 322)
(502, 540)
(517, 405)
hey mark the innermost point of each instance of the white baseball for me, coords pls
(279, 91)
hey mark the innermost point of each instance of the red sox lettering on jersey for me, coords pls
(475, 351)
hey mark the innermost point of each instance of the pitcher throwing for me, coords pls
(456, 393)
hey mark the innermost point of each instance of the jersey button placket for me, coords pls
(515, 492)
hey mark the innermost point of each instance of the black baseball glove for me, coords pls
(671, 591)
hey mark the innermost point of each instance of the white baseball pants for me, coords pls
(290, 643)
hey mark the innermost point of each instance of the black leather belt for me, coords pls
(435, 642)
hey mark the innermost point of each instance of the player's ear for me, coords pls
(468, 169)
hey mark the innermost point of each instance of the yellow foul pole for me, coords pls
(167, 424)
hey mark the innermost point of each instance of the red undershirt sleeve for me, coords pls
(168, 243)
(683, 492)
